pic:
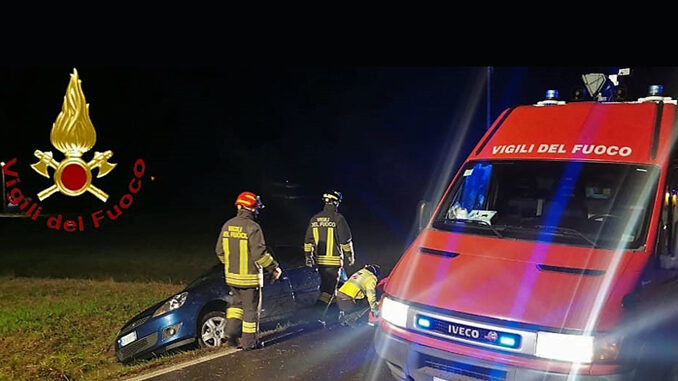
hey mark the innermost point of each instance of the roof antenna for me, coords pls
(603, 88)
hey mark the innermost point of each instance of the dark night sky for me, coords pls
(380, 135)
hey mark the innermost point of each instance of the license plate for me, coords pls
(128, 338)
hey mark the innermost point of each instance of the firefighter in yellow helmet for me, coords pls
(242, 249)
(327, 243)
(360, 286)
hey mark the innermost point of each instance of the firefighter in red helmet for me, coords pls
(327, 243)
(242, 249)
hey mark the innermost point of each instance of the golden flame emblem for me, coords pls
(73, 134)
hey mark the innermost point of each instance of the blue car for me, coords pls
(198, 313)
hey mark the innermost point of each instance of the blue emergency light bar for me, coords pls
(656, 90)
(551, 94)
(507, 341)
(423, 322)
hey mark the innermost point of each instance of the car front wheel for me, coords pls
(212, 329)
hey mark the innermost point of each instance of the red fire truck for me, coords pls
(552, 254)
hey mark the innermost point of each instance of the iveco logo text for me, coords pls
(462, 331)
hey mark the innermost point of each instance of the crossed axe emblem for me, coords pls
(73, 134)
(73, 176)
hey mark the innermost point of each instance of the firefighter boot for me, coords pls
(232, 342)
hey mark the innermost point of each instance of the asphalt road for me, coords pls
(332, 354)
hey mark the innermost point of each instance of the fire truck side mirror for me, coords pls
(423, 214)
(669, 260)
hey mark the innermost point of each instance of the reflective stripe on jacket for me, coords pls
(362, 283)
(328, 238)
(242, 249)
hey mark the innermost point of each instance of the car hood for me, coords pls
(522, 281)
(141, 315)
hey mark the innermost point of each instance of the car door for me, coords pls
(278, 298)
(305, 284)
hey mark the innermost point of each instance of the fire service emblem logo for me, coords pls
(73, 134)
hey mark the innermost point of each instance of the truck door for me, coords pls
(651, 327)
(663, 264)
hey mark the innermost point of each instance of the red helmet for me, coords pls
(249, 200)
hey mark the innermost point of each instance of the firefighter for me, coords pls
(360, 286)
(242, 249)
(327, 243)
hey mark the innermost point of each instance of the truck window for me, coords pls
(473, 194)
(666, 232)
(582, 203)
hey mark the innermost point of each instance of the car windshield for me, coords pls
(287, 255)
(213, 273)
(603, 205)
(292, 256)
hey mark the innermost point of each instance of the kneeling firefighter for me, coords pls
(327, 242)
(242, 249)
(360, 286)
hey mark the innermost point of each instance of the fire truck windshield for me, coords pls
(604, 205)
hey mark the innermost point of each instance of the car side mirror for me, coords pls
(669, 261)
(423, 214)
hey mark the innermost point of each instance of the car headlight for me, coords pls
(394, 312)
(171, 304)
(563, 347)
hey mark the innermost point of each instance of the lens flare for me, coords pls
(613, 268)
(449, 160)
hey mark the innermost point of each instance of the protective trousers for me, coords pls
(349, 305)
(329, 276)
(243, 315)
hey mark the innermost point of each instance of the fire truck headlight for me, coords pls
(558, 346)
(394, 312)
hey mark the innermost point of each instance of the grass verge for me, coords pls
(64, 329)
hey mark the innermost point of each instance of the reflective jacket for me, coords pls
(362, 283)
(242, 249)
(328, 239)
